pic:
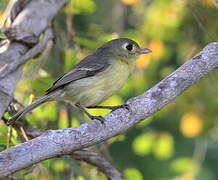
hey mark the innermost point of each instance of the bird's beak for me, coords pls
(144, 51)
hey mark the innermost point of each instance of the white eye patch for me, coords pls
(129, 47)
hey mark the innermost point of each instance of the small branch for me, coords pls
(33, 52)
(60, 142)
(9, 137)
(16, 8)
(96, 160)
(13, 9)
(93, 158)
(216, 2)
(70, 31)
(15, 101)
(24, 134)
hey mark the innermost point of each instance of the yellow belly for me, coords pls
(93, 90)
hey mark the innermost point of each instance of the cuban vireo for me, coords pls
(94, 79)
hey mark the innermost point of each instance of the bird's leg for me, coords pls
(113, 108)
(100, 118)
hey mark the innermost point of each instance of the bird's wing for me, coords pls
(86, 68)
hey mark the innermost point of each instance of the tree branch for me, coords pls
(32, 53)
(64, 141)
(92, 158)
(96, 160)
(30, 19)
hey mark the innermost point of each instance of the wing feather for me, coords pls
(86, 68)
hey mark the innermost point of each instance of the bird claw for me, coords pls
(99, 118)
(125, 106)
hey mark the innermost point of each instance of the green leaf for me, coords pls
(183, 164)
(2, 147)
(132, 173)
(142, 144)
(2, 35)
(87, 42)
(80, 7)
(69, 59)
(164, 146)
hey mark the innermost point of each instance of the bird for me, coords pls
(94, 79)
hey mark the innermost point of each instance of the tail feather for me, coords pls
(25, 110)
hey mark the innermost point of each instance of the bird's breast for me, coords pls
(93, 90)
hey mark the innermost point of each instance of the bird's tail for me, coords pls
(32, 106)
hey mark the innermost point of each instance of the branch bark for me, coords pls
(92, 158)
(96, 160)
(64, 141)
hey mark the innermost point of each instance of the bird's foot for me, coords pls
(99, 118)
(112, 108)
(125, 106)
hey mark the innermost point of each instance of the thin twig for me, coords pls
(13, 9)
(24, 133)
(9, 136)
(96, 160)
(18, 102)
(70, 29)
(216, 2)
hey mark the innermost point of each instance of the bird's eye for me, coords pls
(129, 47)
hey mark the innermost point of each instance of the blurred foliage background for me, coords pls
(180, 141)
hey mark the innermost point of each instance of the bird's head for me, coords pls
(122, 48)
